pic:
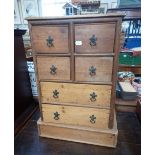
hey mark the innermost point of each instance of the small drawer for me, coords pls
(53, 68)
(50, 39)
(76, 94)
(94, 38)
(79, 116)
(94, 69)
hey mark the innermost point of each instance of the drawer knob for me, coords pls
(93, 40)
(56, 115)
(92, 70)
(92, 119)
(93, 97)
(55, 94)
(50, 41)
(53, 69)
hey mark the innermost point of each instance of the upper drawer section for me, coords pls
(50, 39)
(94, 38)
(53, 68)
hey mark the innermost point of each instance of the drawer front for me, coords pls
(94, 38)
(89, 117)
(81, 94)
(97, 69)
(50, 39)
(53, 68)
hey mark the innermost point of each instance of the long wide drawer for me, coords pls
(69, 93)
(79, 116)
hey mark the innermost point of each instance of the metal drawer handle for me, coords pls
(55, 94)
(56, 115)
(92, 70)
(92, 119)
(53, 69)
(93, 40)
(93, 97)
(50, 41)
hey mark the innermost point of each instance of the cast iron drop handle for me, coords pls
(56, 115)
(92, 119)
(55, 94)
(93, 40)
(93, 97)
(50, 41)
(53, 69)
(92, 70)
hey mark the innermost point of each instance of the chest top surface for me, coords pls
(109, 15)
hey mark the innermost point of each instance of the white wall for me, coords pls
(110, 3)
(53, 7)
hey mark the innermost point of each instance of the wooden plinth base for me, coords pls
(79, 134)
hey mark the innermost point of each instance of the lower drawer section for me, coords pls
(83, 135)
(79, 116)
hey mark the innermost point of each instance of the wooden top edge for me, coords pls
(125, 8)
(77, 16)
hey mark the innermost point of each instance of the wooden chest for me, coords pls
(76, 63)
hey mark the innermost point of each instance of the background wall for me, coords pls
(53, 7)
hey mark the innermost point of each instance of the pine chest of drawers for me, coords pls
(76, 63)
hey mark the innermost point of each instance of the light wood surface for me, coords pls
(74, 87)
(62, 64)
(114, 73)
(79, 116)
(58, 32)
(103, 67)
(107, 137)
(75, 93)
(105, 37)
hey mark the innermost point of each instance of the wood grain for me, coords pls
(73, 84)
(122, 108)
(104, 32)
(125, 106)
(62, 64)
(114, 73)
(58, 32)
(109, 16)
(28, 143)
(79, 116)
(134, 69)
(78, 94)
(103, 67)
(79, 134)
(71, 30)
(35, 69)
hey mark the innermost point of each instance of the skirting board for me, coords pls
(106, 137)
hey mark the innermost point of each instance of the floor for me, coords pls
(27, 141)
